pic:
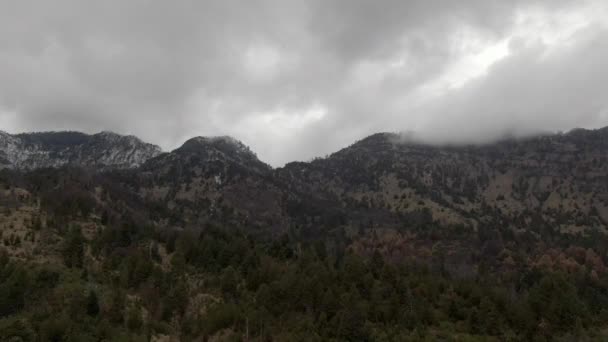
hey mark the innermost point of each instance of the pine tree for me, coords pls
(73, 251)
(92, 304)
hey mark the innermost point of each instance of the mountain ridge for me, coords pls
(461, 232)
(232, 145)
(59, 148)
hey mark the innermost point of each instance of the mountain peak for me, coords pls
(221, 148)
(114, 135)
(55, 149)
(110, 135)
(226, 144)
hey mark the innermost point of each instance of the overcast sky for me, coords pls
(296, 79)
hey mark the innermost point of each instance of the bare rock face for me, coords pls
(55, 149)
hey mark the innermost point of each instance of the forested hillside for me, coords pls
(386, 240)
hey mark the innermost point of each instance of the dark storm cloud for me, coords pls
(294, 79)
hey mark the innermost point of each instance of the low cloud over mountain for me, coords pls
(298, 79)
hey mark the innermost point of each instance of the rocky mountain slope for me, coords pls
(540, 190)
(504, 241)
(555, 180)
(55, 149)
(561, 179)
(211, 178)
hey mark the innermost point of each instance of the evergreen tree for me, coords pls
(92, 304)
(73, 250)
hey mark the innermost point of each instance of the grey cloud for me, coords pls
(536, 90)
(166, 71)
